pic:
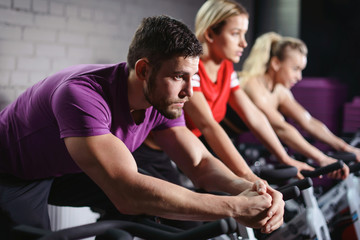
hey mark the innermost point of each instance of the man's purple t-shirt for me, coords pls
(84, 100)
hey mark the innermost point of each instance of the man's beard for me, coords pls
(161, 105)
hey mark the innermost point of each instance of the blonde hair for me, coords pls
(267, 46)
(213, 14)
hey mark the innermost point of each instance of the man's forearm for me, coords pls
(152, 196)
(213, 175)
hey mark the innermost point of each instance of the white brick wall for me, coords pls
(40, 37)
(22, 4)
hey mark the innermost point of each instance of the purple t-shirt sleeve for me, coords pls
(80, 110)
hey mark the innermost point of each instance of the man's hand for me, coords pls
(254, 208)
(276, 211)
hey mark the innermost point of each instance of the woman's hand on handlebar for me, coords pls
(337, 174)
(301, 166)
(354, 150)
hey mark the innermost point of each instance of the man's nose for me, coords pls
(187, 90)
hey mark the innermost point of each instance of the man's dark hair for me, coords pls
(160, 38)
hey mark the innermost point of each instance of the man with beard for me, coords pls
(68, 139)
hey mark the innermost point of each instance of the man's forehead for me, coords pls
(181, 64)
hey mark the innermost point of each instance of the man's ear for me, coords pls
(275, 63)
(142, 68)
(208, 35)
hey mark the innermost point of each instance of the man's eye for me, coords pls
(179, 77)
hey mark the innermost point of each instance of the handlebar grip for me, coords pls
(323, 170)
(232, 224)
(281, 172)
(205, 231)
(301, 184)
(116, 234)
(290, 192)
(28, 232)
(87, 230)
(346, 157)
(354, 167)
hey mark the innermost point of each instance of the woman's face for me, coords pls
(230, 43)
(289, 70)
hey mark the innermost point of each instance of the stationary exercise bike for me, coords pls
(309, 223)
(142, 228)
(341, 204)
(145, 228)
(288, 191)
(123, 230)
(281, 178)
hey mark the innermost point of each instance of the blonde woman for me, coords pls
(275, 65)
(221, 26)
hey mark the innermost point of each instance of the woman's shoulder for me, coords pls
(281, 89)
(253, 87)
(282, 93)
(250, 82)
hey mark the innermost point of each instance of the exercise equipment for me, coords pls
(310, 222)
(288, 192)
(143, 228)
(123, 230)
(341, 205)
(278, 175)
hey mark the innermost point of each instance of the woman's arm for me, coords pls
(200, 113)
(261, 128)
(291, 108)
(285, 131)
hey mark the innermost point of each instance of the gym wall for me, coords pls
(40, 37)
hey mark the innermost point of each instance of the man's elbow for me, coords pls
(129, 207)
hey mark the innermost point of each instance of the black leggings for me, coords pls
(157, 163)
(233, 124)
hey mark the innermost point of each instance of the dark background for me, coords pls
(330, 29)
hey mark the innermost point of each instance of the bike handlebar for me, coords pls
(354, 167)
(290, 192)
(122, 230)
(346, 157)
(323, 170)
(278, 173)
(301, 184)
